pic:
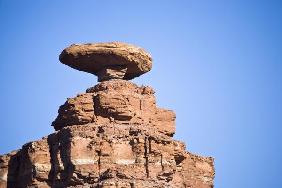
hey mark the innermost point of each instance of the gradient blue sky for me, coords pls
(217, 64)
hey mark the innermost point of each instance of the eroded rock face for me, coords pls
(105, 59)
(111, 136)
(111, 155)
(116, 101)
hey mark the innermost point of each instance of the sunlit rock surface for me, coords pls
(112, 136)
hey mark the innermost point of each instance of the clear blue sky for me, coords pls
(217, 64)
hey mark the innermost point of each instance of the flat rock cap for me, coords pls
(96, 58)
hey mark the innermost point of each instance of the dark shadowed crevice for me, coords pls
(146, 157)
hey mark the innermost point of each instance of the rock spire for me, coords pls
(112, 136)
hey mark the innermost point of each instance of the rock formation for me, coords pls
(113, 135)
(113, 60)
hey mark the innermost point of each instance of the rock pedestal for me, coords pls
(113, 135)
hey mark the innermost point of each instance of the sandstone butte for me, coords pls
(113, 135)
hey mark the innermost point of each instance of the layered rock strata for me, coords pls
(114, 135)
(118, 102)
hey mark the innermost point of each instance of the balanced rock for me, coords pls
(112, 136)
(114, 60)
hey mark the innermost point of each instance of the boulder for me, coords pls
(113, 60)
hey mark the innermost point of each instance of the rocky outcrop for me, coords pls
(109, 155)
(119, 102)
(113, 135)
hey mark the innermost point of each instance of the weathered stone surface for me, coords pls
(116, 101)
(113, 60)
(112, 136)
(108, 155)
(111, 72)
